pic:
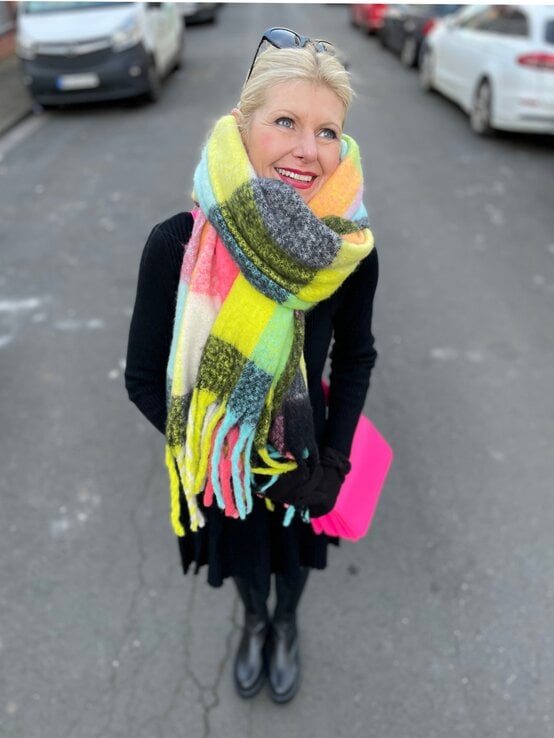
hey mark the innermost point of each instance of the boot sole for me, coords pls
(252, 691)
(281, 699)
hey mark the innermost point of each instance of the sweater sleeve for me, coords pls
(353, 354)
(152, 320)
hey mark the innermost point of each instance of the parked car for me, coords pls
(367, 17)
(497, 63)
(87, 51)
(405, 26)
(193, 13)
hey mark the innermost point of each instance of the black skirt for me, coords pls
(252, 548)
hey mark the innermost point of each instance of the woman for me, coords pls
(237, 304)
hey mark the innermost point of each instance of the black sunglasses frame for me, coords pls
(296, 41)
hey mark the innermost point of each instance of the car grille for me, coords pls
(74, 56)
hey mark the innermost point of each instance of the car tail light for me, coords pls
(428, 25)
(537, 60)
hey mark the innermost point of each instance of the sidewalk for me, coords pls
(15, 102)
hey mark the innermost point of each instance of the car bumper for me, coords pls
(375, 24)
(525, 111)
(203, 15)
(198, 12)
(526, 121)
(117, 75)
(527, 125)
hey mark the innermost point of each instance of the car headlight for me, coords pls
(25, 48)
(127, 35)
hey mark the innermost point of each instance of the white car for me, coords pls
(82, 51)
(497, 63)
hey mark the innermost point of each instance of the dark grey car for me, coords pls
(405, 26)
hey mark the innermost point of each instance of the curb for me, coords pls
(6, 127)
(15, 103)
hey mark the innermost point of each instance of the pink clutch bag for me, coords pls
(371, 457)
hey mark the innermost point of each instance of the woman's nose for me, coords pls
(306, 146)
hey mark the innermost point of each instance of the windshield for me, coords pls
(53, 7)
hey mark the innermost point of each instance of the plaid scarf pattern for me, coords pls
(257, 259)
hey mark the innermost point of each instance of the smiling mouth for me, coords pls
(296, 179)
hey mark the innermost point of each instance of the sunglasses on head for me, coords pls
(284, 38)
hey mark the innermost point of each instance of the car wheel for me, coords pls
(154, 83)
(408, 54)
(480, 113)
(426, 70)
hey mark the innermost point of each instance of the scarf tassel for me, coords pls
(230, 473)
(175, 467)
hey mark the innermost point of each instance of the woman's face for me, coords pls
(295, 135)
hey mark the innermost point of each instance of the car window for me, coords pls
(549, 32)
(501, 19)
(473, 20)
(511, 22)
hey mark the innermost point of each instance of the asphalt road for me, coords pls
(439, 623)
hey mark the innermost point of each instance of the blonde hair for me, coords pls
(287, 65)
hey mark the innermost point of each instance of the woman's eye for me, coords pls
(285, 122)
(328, 133)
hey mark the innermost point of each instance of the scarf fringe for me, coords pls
(197, 519)
(217, 461)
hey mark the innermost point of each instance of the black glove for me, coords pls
(292, 487)
(335, 466)
(315, 488)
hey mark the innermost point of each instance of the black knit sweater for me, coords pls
(345, 317)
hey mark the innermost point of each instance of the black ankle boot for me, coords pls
(284, 657)
(284, 660)
(249, 672)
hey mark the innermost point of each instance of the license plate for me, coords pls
(77, 81)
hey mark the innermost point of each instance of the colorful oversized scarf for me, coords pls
(257, 259)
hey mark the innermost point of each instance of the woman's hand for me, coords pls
(315, 488)
(334, 466)
(292, 488)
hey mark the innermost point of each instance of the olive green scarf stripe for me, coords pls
(342, 226)
(221, 366)
(176, 421)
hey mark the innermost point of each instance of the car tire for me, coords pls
(426, 70)
(37, 106)
(154, 83)
(408, 53)
(481, 109)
